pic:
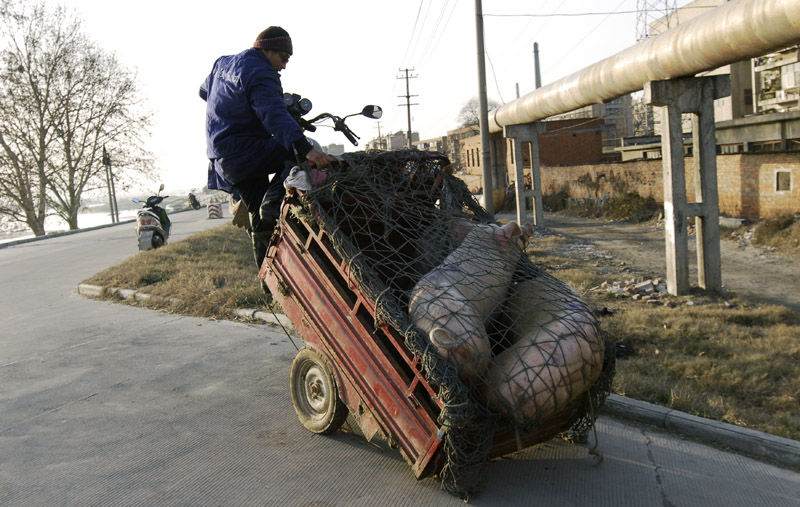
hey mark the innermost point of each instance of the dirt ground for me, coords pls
(747, 270)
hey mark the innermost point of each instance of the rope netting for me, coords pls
(505, 342)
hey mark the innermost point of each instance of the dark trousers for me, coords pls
(263, 198)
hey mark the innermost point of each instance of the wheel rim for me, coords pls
(316, 389)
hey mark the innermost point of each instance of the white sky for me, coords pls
(347, 54)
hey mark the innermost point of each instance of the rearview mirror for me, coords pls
(161, 187)
(373, 112)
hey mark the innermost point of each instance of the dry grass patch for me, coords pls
(782, 233)
(206, 275)
(731, 362)
(720, 358)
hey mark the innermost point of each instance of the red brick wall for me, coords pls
(746, 182)
(571, 142)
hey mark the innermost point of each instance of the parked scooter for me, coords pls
(193, 201)
(152, 223)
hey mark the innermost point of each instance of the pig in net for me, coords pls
(508, 345)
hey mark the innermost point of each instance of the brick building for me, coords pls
(750, 185)
(563, 143)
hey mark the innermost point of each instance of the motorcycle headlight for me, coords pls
(305, 105)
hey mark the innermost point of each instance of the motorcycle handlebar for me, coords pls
(340, 126)
(338, 122)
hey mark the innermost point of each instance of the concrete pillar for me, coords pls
(696, 96)
(527, 133)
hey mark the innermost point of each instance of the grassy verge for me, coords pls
(721, 358)
(206, 275)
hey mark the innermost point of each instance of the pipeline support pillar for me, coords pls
(693, 95)
(527, 133)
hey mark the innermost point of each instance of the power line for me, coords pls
(496, 84)
(435, 28)
(598, 25)
(427, 56)
(411, 37)
(562, 57)
(533, 37)
(577, 14)
(505, 51)
(421, 29)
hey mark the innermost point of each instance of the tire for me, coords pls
(158, 240)
(315, 395)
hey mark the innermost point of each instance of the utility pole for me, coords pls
(380, 138)
(408, 103)
(486, 151)
(112, 194)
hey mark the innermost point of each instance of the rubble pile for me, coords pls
(651, 291)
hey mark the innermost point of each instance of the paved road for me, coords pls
(105, 404)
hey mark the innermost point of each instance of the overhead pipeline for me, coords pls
(734, 31)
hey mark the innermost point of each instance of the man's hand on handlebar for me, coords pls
(318, 159)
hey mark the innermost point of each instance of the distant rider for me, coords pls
(250, 134)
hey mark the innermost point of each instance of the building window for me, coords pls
(783, 181)
(790, 75)
(793, 144)
(728, 149)
(765, 146)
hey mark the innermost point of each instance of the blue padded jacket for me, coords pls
(246, 118)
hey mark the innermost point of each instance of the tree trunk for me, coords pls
(36, 225)
(72, 221)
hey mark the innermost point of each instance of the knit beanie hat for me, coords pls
(275, 38)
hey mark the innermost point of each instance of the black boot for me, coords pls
(260, 246)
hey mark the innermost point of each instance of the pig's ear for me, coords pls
(441, 338)
(511, 230)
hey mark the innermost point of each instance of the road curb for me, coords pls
(744, 440)
(279, 319)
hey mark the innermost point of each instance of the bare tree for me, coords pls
(61, 100)
(470, 114)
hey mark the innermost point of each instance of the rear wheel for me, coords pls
(315, 395)
(158, 240)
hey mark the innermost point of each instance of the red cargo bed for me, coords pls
(332, 266)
